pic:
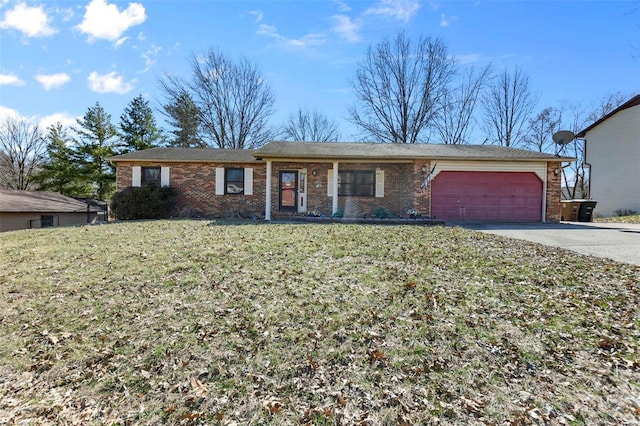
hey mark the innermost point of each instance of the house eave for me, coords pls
(635, 101)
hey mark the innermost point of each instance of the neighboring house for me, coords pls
(25, 209)
(285, 179)
(612, 151)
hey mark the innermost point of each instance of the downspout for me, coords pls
(545, 187)
(334, 185)
(584, 162)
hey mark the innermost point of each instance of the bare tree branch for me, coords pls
(305, 125)
(574, 117)
(401, 87)
(508, 104)
(541, 129)
(233, 101)
(22, 151)
(455, 121)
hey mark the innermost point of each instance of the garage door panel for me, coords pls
(499, 196)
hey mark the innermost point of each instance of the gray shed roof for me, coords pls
(382, 151)
(196, 155)
(39, 202)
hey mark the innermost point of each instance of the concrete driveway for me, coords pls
(617, 241)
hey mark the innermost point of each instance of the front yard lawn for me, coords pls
(200, 322)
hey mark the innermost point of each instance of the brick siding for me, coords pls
(196, 185)
(554, 192)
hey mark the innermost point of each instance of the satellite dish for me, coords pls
(563, 137)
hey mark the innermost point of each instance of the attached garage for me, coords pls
(487, 196)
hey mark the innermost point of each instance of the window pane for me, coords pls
(366, 178)
(151, 175)
(46, 221)
(234, 181)
(235, 175)
(356, 183)
(346, 177)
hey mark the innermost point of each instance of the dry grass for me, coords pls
(620, 219)
(195, 322)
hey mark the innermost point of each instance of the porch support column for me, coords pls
(544, 194)
(267, 206)
(334, 185)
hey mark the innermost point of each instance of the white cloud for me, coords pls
(402, 10)
(313, 39)
(258, 14)
(471, 58)
(446, 21)
(65, 14)
(67, 120)
(8, 112)
(345, 27)
(51, 81)
(150, 57)
(104, 21)
(119, 41)
(31, 21)
(108, 83)
(10, 80)
(342, 6)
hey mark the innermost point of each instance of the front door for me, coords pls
(288, 191)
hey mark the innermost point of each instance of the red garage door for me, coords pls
(499, 196)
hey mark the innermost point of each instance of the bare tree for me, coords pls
(401, 87)
(574, 117)
(309, 126)
(541, 128)
(508, 105)
(605, 106)
(233, 101)
(574, 174)
(22, 150)
(455, 122)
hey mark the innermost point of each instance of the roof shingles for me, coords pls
(338, 151)
(39, 202)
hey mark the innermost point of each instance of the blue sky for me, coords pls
(58, 58)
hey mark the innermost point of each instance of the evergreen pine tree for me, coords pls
(60, 172)
(96, 143)
(138, 128)
(183, 117)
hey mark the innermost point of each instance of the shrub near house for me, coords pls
(144, 202)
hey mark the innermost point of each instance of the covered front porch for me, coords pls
(350, 190)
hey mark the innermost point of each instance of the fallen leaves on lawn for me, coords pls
(290, 324)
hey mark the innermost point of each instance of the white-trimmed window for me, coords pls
(357, 183)
(149, 176)
(234, 181)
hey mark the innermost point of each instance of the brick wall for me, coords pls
(399, 184)
(554, 192)
(195, 183)
(196, 187)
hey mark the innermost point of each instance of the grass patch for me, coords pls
(196, 322)
(619, 219)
